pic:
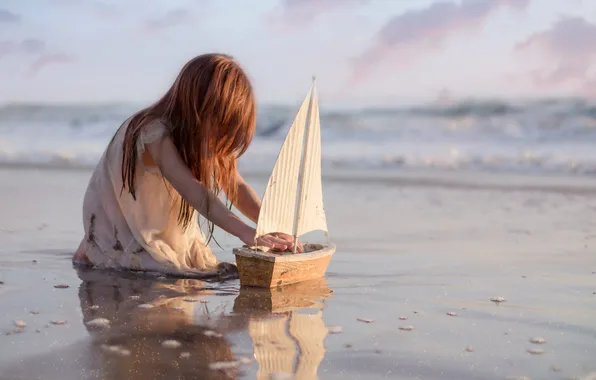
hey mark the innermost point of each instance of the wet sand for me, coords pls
(408, 247)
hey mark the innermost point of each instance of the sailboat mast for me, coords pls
(303, 167)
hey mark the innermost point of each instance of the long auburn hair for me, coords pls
(210, 114)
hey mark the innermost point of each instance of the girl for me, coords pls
(168, 162)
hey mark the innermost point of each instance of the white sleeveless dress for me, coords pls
(141, 234)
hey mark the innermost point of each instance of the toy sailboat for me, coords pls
(292, 204)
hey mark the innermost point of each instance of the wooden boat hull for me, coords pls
(268, 270)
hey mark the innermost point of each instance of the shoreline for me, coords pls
(456, 179)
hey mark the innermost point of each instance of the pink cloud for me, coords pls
(589, 89)
(45, 60)
(6, 48)
(405, 37)
(291, 14)
(9, 17)
(106, 11)
(33, 47)
(170, 19)
(569, 49)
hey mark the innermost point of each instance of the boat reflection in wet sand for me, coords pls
(286, 327)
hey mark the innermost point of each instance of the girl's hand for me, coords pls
(290, 240)
(278, 241)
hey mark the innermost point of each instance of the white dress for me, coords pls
(142, 234)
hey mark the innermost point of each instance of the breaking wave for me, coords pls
(544, 136)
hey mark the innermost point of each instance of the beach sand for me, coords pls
(409, 245)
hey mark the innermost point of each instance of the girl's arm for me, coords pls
(174, 169)
(248, 202)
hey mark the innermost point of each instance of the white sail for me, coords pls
(311, 214)
(278, 207)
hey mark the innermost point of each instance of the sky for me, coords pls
(363, 52)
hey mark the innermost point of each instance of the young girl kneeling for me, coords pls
(164, 166)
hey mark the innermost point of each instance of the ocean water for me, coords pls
(534, 137)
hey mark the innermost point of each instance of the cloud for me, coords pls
(32, 45)
(569, 47)
(102, 10)
(105, 11)
(408, 35)
(47, 59)
(36, 48)
(301, 13)
(26, 46)
(6, 48)
(170, 19)
(589, 89)
(7, 16)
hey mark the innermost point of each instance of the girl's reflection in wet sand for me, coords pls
(143, 313)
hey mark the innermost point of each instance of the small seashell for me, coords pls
(406, 328)
(34, 312)
(245, 360)
(335, 329)
(58, 322)
(535, 351)
(365, 320)
(93, 307)
(204, 301)
(110, 348)
(20, 324)
(223, 365)
(190, 300)
(498, 299)
(135, 297)
(114, 349)
(281, 376)
(61, 286)
(184, 355)
(145, 306)
(348, 345)
(554, 368)
(170, 343)
(469, 349)
(538, 340)
(452, 314)
(403, 318)
(100, 323)
(37, 330)
(212, 333)
(124, 352)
